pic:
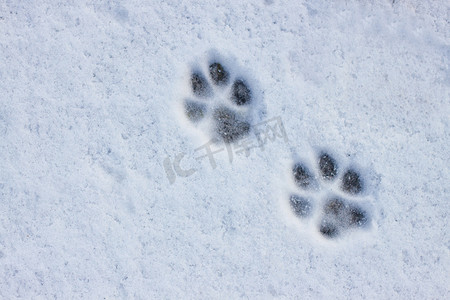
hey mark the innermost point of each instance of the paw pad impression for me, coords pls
(220, 102)
(323, 192)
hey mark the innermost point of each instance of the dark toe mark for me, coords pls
(218, 74)
(328, 166)
(300, 206)
(351, 182)
(228, 125)
(200, 86)
(241, 94)
(302, 176)
(194, 111)
(328, 229)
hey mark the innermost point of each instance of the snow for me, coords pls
(91, 97)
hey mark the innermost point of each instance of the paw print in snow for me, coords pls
(220, 103)
(323, 195)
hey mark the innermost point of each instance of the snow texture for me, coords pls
(108, 190)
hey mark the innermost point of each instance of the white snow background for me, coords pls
(89, 97)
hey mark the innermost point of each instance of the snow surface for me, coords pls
(90, 96)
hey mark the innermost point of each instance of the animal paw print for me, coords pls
(220, 102)
(329, 187)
